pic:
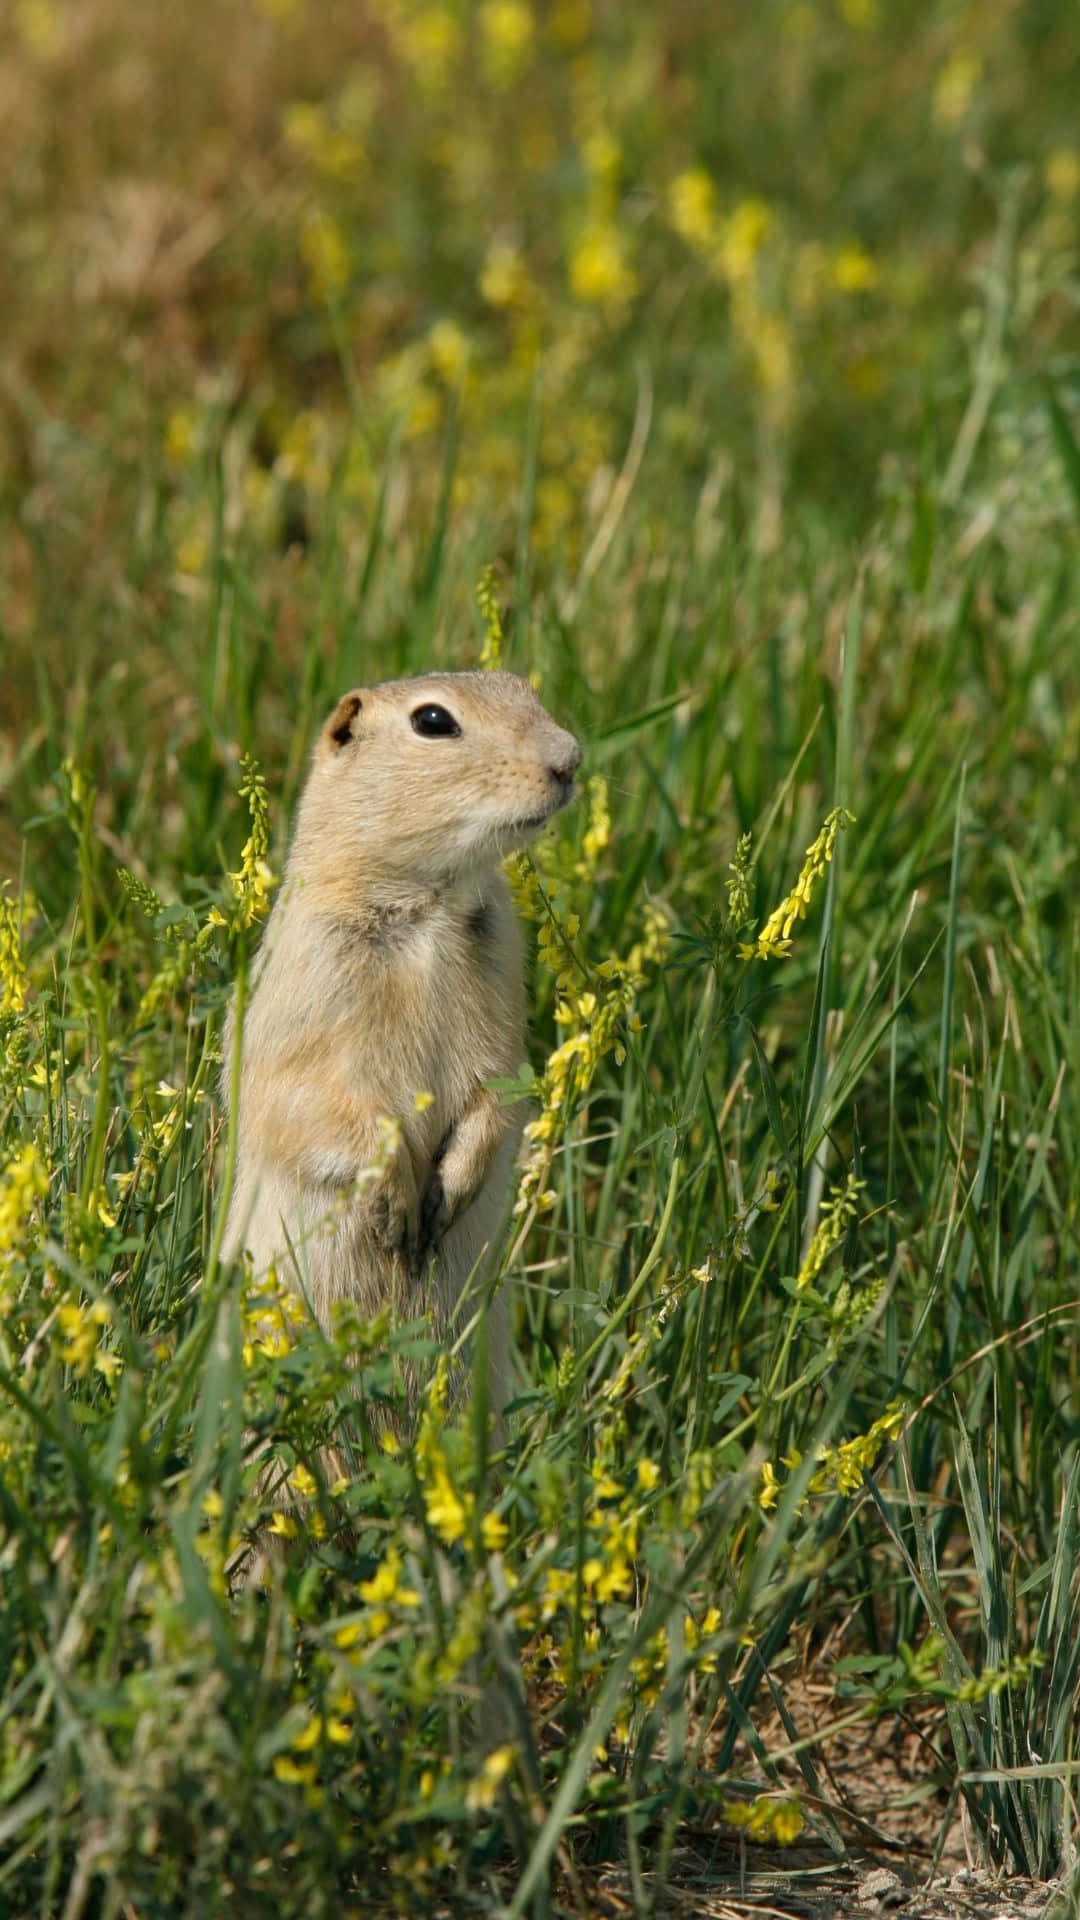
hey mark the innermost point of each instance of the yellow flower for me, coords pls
(13, 979)
(325, 252)
(1063, 173)
(81, 1323)
(37, 23)
(853, 271)
(765, 1819)
(480, 1793)
(859, 13)
(431, 43)
(836, 1216)
(504, 277)
(770, 1487)
(506, 40)
(385, 1584)
(954, 88)
(24, 1183)
(600, 274)
(448, 349)
(253, 883)
(648, 1475)
(569, 23)
(775, 936)
(742, 237)
(493, 1532)
(692, 201)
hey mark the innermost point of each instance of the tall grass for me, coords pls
(794, 1267)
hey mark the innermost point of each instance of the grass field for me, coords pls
(720, 368)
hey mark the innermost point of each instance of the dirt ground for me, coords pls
(881, 1838)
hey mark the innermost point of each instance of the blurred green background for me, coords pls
(269, 264)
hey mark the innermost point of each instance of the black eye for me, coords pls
(434, 723)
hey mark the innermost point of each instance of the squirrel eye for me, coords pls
(434, 723)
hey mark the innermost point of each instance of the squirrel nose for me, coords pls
(565, 764)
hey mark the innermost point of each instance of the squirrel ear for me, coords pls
(338, 730)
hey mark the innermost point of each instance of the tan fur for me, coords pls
(391, 968)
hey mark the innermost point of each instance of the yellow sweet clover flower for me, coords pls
(838, 1469)
(446, 1510)
(600, 273)
(842, 1468)
(494, 639)
(304, 452)
(292, 1773)
(1062, 173)
(693, 210)
(504, 277)
(775, 936)
(649, 1668)
(81, 1324)
(253, 883)
(742, 236)
(14, 982)
(39, 27)
(181, 436)
(332, 151)
(594, 1014)
(836, 1217)
(765, 1818)
(24, 1184)
(431, 44)
(481, 1792)
(853, 271)
(569, 23)
(598, 831)
(494, 1532)
(860, 14)
(955, 87)
(507, 32)
(448, 352)
(326, 255)
(385, 1586)
(693, 1635)
(769, 1491)
(603, 158)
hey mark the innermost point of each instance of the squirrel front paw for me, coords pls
(393, 1212)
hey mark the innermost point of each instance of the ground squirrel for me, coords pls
(373, 1156)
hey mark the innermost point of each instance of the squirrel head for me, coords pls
(417, 783)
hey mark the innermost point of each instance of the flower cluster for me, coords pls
(13, 983)
(839, 1469)
(81, 1324)
(254, 882)
(595, 1006)
(836, 1216)
(24, 1184)
(766, 1818)
(491, 652)
(774, 940)
(450, 1510)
